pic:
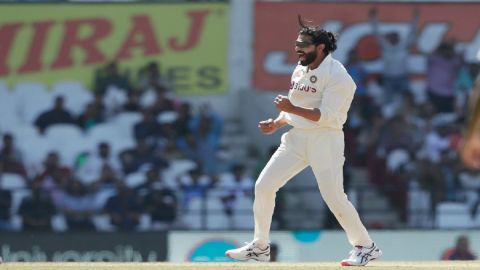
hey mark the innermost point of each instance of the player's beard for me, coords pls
(309, 58)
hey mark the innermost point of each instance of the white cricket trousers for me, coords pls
(323, 150)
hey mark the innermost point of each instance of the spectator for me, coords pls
(161, 205)
(436, 141)
(57, 115)
(448, 167)
(395, 52)
(396, 133)
(92, 169)
(235, 185)
(167, 121)
(143, 154)
(183, 119)
(461, 251)
(108, 178)
(104, 187)
(54, 178)
(170, 150)
(10, 157)
(160, 201)
(37, 210)
(189, 147)
(162, 103)
(5, 208)
(90, 117)
(443, 66)
(194, 185)
(124, 208)
(202, 145)
(128, 162)
(430, 179)
(78, 206)
(359, 74)
(110, 76)
(148, 129)
(99, 104)
(133, 102)
(150, 78)
(153, 180)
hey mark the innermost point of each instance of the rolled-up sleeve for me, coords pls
(336, 100)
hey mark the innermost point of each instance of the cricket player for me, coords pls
(320, 95)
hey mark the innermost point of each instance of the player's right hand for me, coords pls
(267, 126)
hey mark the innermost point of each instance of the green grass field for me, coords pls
(240, 266)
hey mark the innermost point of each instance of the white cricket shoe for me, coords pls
(250, 252)
(360, 256)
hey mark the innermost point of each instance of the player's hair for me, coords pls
(319, 35)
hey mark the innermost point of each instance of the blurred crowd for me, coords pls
(174, 161)
(408, 140)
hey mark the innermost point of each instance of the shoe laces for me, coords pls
(361, 252)
(249, 246)
(357, 250)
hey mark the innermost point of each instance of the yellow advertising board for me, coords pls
(52, 42)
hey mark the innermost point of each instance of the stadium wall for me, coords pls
(316, 246)
(184, 246)
(117, 247)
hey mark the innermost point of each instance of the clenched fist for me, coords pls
(267, 126)
(283, 103)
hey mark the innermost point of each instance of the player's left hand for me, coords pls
(283, 103)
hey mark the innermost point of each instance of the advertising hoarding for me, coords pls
(52, 42)
(276, 29)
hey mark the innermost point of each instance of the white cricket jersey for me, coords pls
(328, 87)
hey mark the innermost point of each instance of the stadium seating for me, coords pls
(66, 140)
(451, 215)
(216, 217)
(243, 214)
(476, 219)
(193, 218)
(31, 99)
(125, 122)
(135, 179)
(23, 132)
(112, 134)
(8, 118)
(75, 94)
(11, 181)
(59, 223)
(102, 223)
(33, 159)
(114, 98)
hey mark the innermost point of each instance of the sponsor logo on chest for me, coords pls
(299, 86)
(301, 81)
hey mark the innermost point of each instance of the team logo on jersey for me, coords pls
(298, 73)
(313, 79)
